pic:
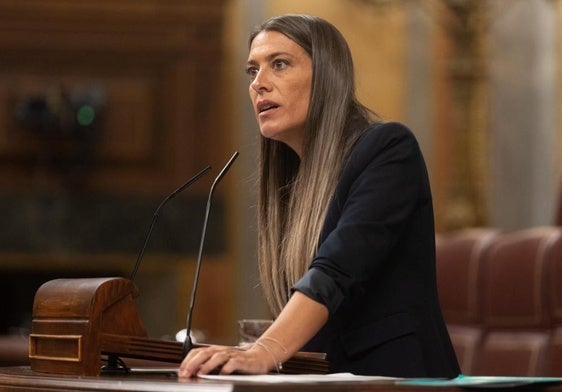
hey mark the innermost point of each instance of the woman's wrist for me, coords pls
(275, 353)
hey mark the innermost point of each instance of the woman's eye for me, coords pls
(252, 72)
(279, 64)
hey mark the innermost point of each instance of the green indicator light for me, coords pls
(85, 115)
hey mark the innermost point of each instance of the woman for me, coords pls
(346, 235)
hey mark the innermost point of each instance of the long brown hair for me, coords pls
(295, 193)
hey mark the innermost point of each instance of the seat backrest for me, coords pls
(515, 311)
(553, 365)
(466, 340)
(459, 256)
(554, 278)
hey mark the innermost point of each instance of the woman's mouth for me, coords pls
(265, 106)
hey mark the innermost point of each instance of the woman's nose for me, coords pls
(260, 82)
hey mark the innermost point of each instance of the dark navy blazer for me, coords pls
(375, 265)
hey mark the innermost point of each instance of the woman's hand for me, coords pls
(299, 321)
(249, 359)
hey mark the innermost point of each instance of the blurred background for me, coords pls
(108, 106)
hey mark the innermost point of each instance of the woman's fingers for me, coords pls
(226, 360)
(214, 362)
(195, 360)
(204, 360)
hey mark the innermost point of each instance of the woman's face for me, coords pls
(280, 74)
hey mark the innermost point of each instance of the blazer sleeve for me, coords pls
(379, 190)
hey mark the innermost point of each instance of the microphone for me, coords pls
(155, 216)
(188, 344)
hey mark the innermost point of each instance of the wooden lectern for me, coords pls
(76, 322)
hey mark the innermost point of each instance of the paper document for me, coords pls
(298, 378)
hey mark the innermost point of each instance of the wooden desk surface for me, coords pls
(22, 378)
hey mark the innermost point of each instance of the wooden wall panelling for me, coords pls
(158, 66)
(150, 58)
